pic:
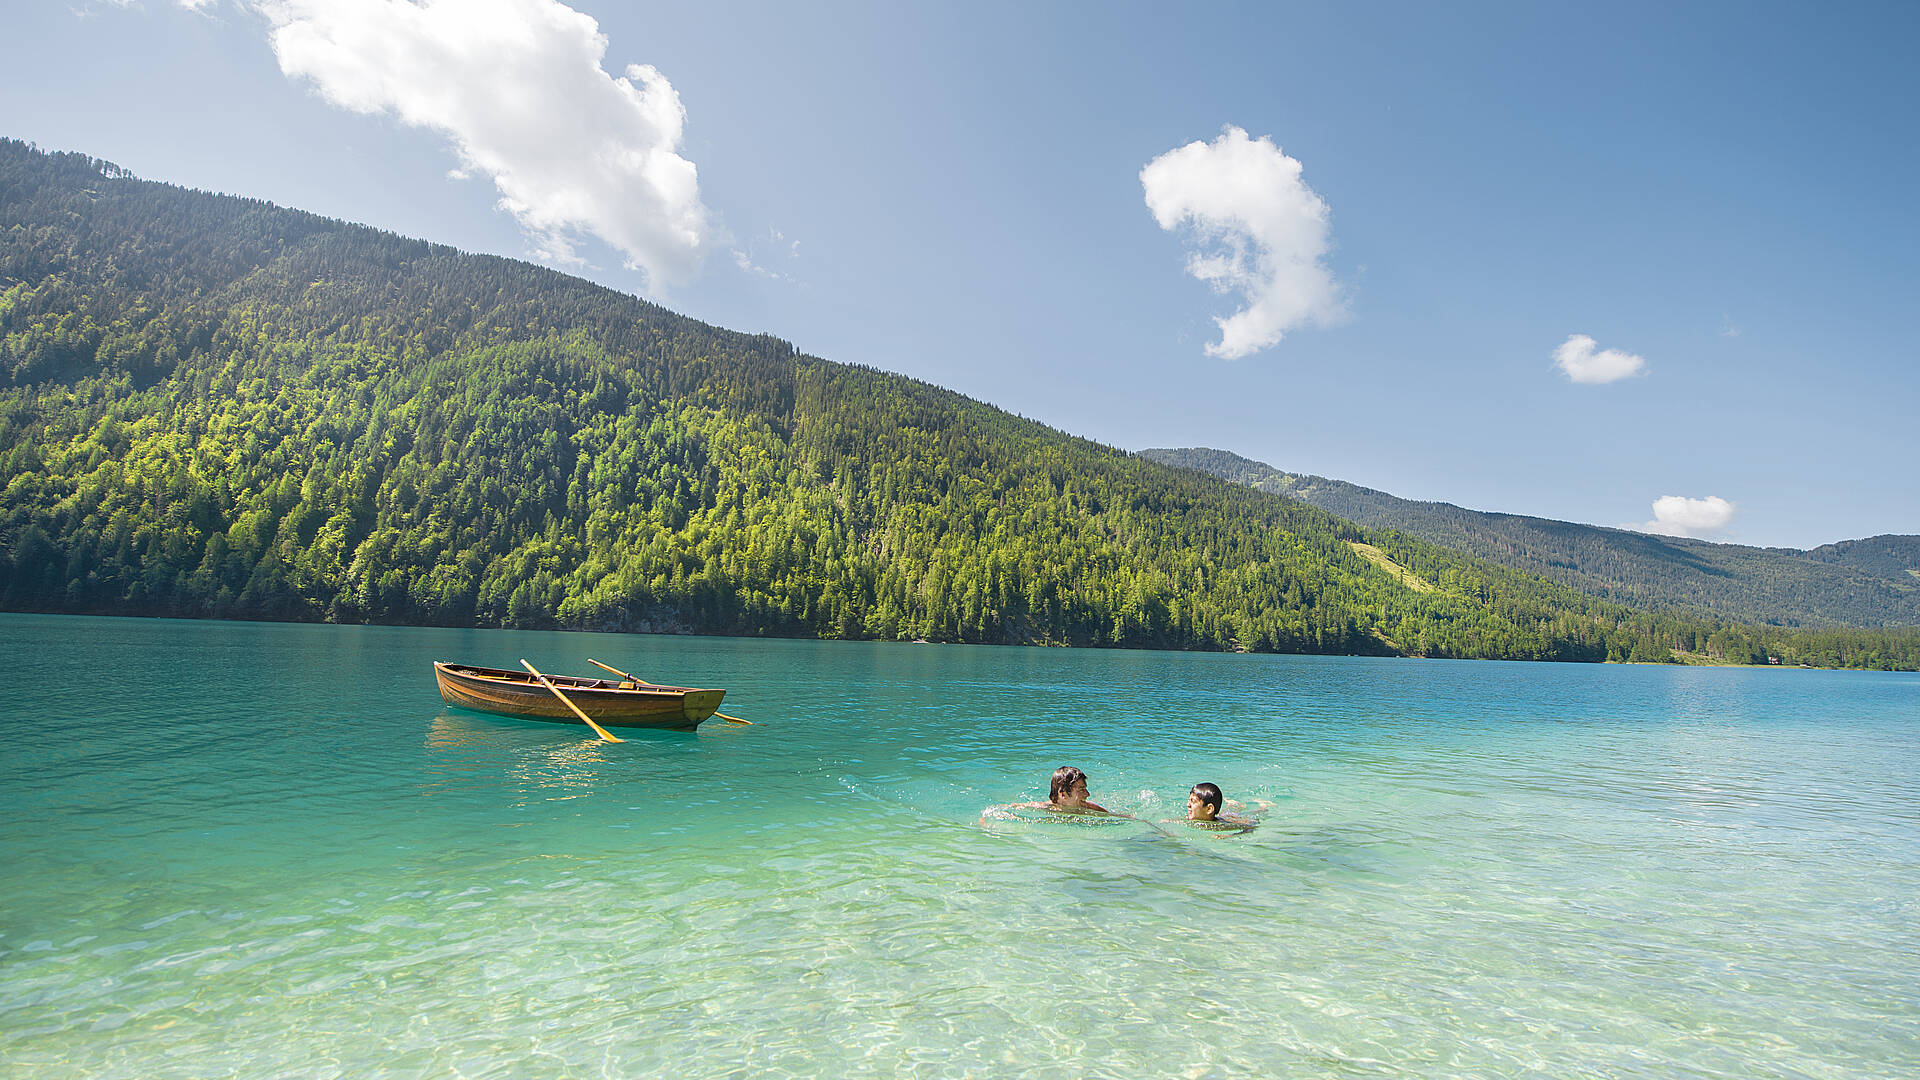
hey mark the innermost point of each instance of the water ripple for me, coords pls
(1472, 870)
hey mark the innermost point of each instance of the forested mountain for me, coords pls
(1873, 582)
(211, 406)
(1896, 558)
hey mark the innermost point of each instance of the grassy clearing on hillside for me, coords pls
(1400, 573)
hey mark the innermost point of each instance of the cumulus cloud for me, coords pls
(517, 88)
(1677, 515)
(1256, 229)
(1583, 361)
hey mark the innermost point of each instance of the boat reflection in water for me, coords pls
(470, 754)
(461, 731)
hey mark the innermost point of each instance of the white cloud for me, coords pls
(1677, 515)
(1583, 362)
(1257, 230)
(745, 258)
(517, 87)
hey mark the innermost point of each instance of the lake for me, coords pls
(269, 850)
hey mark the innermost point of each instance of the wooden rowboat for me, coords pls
(611, 702)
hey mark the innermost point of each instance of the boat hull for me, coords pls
(518, 694)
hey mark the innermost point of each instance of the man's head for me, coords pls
(1069, 788)
(1203, 802)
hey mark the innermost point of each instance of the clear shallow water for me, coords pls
(265, 850)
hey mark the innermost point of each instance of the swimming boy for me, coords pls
(1068, 794)
(1204, 802)
(1203, 808)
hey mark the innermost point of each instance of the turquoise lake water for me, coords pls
(236, 849)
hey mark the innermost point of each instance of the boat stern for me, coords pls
(697, 705)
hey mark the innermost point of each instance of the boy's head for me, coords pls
(1203, 802)
(1069, 787)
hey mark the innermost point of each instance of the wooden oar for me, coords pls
(622, 674)
(642, 682)
(568, 702)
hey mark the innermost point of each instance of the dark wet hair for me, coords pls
(1209, 794)
(1064, 778)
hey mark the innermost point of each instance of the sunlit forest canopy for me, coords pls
(215, 407)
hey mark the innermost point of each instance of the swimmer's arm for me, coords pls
(1094, 808)
(1004, 812)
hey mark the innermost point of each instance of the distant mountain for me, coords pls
(1896, 558)
(1872, 582)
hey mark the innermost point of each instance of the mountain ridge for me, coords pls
(1867, 582)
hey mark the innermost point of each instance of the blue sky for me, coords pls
(1706, 213)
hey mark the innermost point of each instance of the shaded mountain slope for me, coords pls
(1895, 558)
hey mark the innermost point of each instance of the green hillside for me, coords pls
(1895, 558)
(211, 406)
(1864, 583)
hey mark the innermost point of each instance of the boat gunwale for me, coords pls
(585, 684)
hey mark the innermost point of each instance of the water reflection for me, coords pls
(563, 770)
(469, 752)
(458, 731)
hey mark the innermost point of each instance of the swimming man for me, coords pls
(1068, 794)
